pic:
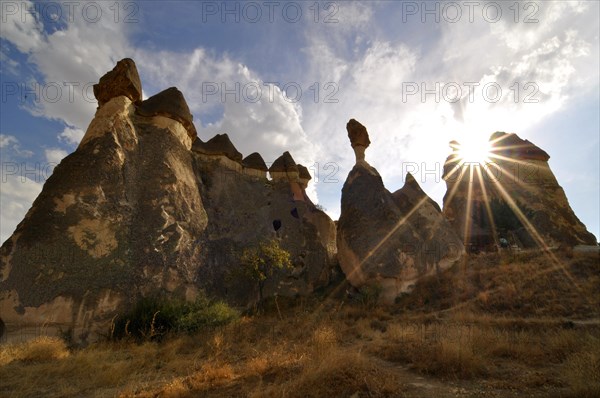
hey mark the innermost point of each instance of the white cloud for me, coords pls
(20, 27)
(6, 140)
(55, 155)
(17, 190)
(71, 136)
(368, 61)
(269, 126)
(556, 54)
(10, 145)
(69, 60)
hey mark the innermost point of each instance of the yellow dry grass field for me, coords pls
(492, 326)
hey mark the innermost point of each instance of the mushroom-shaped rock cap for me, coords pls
(303, 173)
(358, 134)
(122, 80)
(284, 163)
(169, 103)
(220, 144)
(254, 161)
(512, 146)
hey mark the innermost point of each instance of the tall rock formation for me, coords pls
(144, 206)
(389, 239)
(513, 197)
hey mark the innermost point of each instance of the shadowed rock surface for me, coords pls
(388, 239)
(284, 163)
(135, 211)
(254, 161)
(169, 103)
(514, 197)
(219, 145)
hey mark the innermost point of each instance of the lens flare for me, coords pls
(474, 150)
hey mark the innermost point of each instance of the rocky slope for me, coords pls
(514, 196)
(144, 206)
(386, 239)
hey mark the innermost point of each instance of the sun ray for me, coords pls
(534, 233)
(468, 221)
(487, 206)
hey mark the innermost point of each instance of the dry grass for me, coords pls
(582, 370)
(340, 349)
(40, 349)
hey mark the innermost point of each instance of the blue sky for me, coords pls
(347, 59)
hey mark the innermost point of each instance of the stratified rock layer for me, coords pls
(514, 197)
(391, 240)
(169, 103)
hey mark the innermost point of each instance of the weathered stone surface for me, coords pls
(242, 212)
(391, 239)
(512, 146)
(122, 80)
(412, 193)
(169, 103)
(517, 177)
(284, 167)
(254, 161)
(359, 139)
(303, 173)
(219, 145)
(134, 211)
(358, 134)
(119, 217)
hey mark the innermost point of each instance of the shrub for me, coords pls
(260, 262)
(153, 317)
(368, 295)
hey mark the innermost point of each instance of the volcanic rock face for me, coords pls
(514, 197)
(135, 211)
(122, 80)
(391, 239)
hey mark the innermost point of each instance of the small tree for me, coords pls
(260, 262)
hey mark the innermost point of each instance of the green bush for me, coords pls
(368, 295)
(153, 317)
(260, 262)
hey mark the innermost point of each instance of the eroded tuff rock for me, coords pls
(284, 168)
(390, 239)
(255, 165)
(359, 139)
(122, 80)
(303, 176)
(169, 103)
(515, 196)
(135, 211)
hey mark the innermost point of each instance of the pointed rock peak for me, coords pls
(411, 194)
(284, 163)
(358, 134)
(219, 145)
(169, 103)
(254, 161)
(122, 80)
(512, 146)
(410, 181)
(303, 173)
